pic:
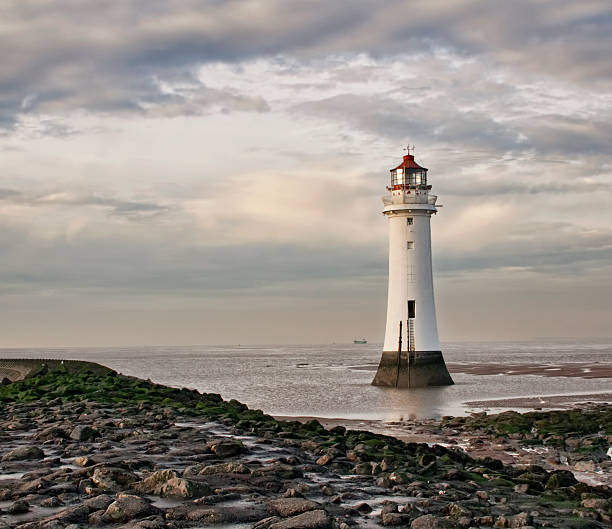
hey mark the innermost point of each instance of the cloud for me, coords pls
(214, 151)
(105, 57)
(200, 101)
(115, 206)
(128, 265)
(548, 249)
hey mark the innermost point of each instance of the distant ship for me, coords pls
(363, 340)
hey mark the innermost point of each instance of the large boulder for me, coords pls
(84, 433)
(113, 479)
(51, 502)
(127, 507)
(278, 470)
(226, 447)
(76, 514)
(292, 506)
(232, 467)
(429, 521)
(24, 453)
(34, 486)
(395, 518)
(53, 432)
(309, 520)
(100, 502)
(155, 480)
(18, 507)
(184, 488)
(168, 483)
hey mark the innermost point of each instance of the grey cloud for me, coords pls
(553, 133)
(202, 100)
(103, 56)
(9, 194)
(9, 107)
(548, 248)
(132, 265)
(501, 186)
(443, 121)
(147, 266)
(54, 128)
(389, 118)
(135, 208)
(118, 207)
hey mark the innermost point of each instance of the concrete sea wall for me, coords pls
(18, 369)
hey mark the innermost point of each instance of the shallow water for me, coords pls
(334, 380)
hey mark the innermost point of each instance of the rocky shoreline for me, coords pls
(555, 440)
(93, 449)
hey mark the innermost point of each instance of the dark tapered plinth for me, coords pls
(425, 368)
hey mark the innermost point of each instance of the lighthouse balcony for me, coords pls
(400, 197)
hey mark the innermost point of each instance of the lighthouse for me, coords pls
(411, 353)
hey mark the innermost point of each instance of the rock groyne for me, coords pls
(21, 368)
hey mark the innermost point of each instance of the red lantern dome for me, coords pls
(408, 174)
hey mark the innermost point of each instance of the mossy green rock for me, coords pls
(559, 479)
(24, 453)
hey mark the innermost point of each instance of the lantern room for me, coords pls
(409, 174)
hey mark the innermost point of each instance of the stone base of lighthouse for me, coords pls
(416, 369)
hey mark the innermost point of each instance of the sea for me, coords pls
(333, 380)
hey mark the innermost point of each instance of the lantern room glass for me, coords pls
(409, 177)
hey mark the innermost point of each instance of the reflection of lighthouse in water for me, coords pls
(411, 353)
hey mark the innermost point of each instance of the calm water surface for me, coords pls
(334, 380)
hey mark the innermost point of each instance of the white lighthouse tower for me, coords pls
(411, 354)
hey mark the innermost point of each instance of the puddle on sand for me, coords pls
(165, 503)
(34, 513)
(200, 425)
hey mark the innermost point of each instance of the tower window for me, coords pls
(409, 220)
(410, 245)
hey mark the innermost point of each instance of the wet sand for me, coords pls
(574, 370)
(577, 369)
(540, 403)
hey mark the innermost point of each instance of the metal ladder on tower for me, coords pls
(411, 334)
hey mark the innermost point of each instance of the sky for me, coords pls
(210, 172)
